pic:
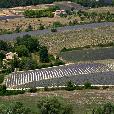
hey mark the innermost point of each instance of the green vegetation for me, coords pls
(107, 108)
(95, 16)
(16, 108)
(54, 105)
(22, 50)
(45, 105)
(38, 13)
(43, 52)
(86, 3)
(4, 92)
(70, 86)
(1, 78)
(30, 55)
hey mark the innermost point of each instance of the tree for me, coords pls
(41, 27)
(31, 43)
(54, 105)
(30, 28)
(43, 52)
(107, 108)
(16, 108)
(87, 85)
(27, 63)
(3, 45)
(22, 51)
(57, 24)
(2, 55)
(18, 29)
(70, 86)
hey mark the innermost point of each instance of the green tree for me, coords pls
(57, 24)
(18, 29)
(3, 45)
(70, 86)
(2, 55)
(87, 85)
(107, 108)
(16, 108)
(43, 52)
(31, 43)
(27, 63)
(54, 105)
(29, 28)
(22, 50)
(41, 27)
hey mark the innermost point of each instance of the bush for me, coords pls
(4, 92)
(57, 24)
(54, 105)
(53, 30)
(41, 27)
(87, 85)
(33, 90)
(70, 86)
(107, 108)
(1, 78)
(46, 88)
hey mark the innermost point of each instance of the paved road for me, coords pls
(60, 29)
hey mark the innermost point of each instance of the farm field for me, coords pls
(82, 100)
(11, 24)
(71, 36)
(58, 76)
(101, 10)
(77, 38)
(88, 54)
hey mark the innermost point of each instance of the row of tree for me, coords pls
(96, 17)
(87, 3)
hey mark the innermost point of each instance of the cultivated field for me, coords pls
(77, 38)
(82, 100)
(101, 10)
(58, 76)
(88, 54)
(34, 22)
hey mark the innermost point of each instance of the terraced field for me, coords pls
(88, 54)
(101, 10)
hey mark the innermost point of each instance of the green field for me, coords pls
(83, 100)
(88, 54)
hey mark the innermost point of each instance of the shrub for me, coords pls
(1, 78)
(33, 90)
(54, 105)
(70, 86)
(87, 85)
(53, 30)
(41, 27)
(57, 24)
